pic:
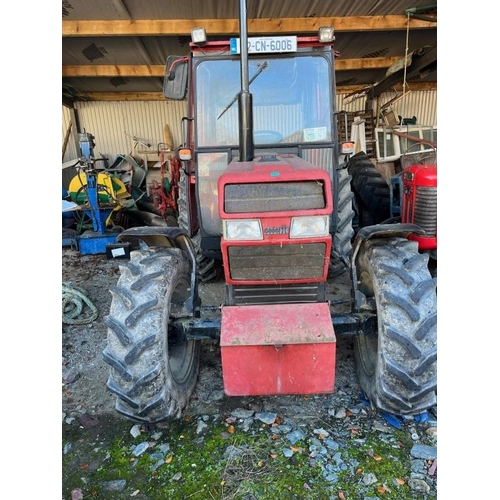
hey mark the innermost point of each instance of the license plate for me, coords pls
(266, 44)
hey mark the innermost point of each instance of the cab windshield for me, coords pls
(291, 100)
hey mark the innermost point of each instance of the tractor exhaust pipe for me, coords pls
(245, 103)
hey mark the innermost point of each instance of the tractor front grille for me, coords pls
(425, 214)
(275, 294)
(277, 262)
(273, 197)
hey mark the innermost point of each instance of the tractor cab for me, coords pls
(291, 82)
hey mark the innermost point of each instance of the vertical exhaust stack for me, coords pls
(245, 105)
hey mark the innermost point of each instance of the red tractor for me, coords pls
(418, 196)
(261, 190)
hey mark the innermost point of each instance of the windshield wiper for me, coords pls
(259, 71)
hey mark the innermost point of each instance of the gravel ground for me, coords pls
(85, 399)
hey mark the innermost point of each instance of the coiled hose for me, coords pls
(74, 300)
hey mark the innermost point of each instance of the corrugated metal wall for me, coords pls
(114, 123)
(71, 152)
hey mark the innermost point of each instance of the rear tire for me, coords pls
(371, 190)
(344, 232)
(397, 366)
(153, 370)
(205, 267)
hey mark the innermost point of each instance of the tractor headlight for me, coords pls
(303, 227)
(242, 230)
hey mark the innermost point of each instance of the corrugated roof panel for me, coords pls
(146, 50)
(215, 9)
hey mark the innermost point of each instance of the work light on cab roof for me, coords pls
(199, 35)
(325, 34)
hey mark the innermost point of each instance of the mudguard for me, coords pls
(164, 236)
(378, 231)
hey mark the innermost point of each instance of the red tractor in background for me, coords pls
(262, 190)
(418, 198)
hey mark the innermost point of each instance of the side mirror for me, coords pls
(176, 76)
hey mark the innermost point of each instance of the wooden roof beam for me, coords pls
(297, 25)
(102, 70)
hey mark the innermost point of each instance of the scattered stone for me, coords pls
(67, 447)
(71, 376)
(432, 468)
(369, 478)
(140, 449)
(431, 431)
(360, 407)
(295, 436)
(241, 413)
(379, 426)
(330, 473)
(157, 464)
(424, 452)
(136, 430)
(337, 458)
(341, 413)
(417, 466)
(419, 485)
(266, 417)
(247, 424)
(164, 448)
(321, 432)
(177, 476)
(76, 494)
(331, 444)
(116, 485)
(287, 452)
(201, 426)
(284, 428)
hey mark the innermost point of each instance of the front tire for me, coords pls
(153, 369)
(397, 366)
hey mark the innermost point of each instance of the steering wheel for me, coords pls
(267, 137)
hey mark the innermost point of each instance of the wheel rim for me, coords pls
(368, 350)
(179, 350)
(367, 344)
